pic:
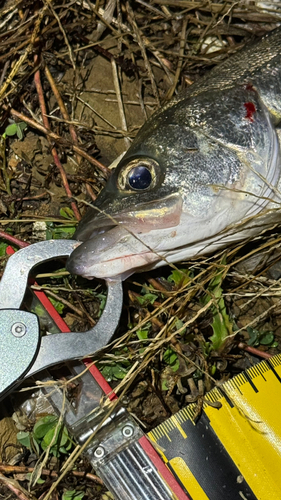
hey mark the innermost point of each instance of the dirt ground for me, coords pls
(78, 80)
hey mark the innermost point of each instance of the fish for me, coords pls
(202, 172)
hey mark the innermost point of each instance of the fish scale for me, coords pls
(196, 174)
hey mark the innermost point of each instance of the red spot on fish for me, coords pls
(250, 87)
(250, 110)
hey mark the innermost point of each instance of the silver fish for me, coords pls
(196, 176)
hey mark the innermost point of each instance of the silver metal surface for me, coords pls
(118, 458)
(99, 452)
(18, 329)
(14, 280)
(18, 346)
(128, 431)
(131, 475)
(17, 351)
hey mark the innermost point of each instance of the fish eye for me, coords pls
(139, 175)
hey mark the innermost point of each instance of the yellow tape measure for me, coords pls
(232, 452)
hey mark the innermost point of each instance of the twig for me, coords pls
(153, 9)
(49, 3)
(35, 197)
(24, 56)
(62, 107)
(180, 60)
(87, 105)
(91, 192)
(18, 469)
(37, 81)
(18, 490)
(164, 63)
(253, 350)
(32, 123)
(65, 302)
(13, 240)
(141, 102)
(158, 286)
(143, 51)
(119, 101)
(4, 71)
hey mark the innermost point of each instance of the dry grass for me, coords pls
(145, 51)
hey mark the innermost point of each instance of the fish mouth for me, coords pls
(141, 218)
(116, 245)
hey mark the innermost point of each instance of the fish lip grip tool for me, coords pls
(23, 352)
(112, 439)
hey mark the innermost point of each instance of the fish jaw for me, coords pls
(119, 244)
(117, 259)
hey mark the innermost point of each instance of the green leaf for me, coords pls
(148, 298)
(164, 385)
(179, 276)
(253, 337)
(67, 213)
(142, 334)
(59, 306)
(73, 495)
(115, 372)
(61, 438)
(171, 358)
(19, 133)
(119, 371)
(221, 325)
(22, 125)
(23, 438)
(266, 338)
(39, 480)
(107, 373)
(43, 425)
(16, 129)
(3, 247)
(256, 338)
(11, 129)
(213, 370)
(26, 439)
(178, 325)
(175, 366)
(102, 298)
(54, 232)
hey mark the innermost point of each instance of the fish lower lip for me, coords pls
(129, 256)
(112, 250)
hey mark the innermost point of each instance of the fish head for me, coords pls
(187, 176)
(140, 205)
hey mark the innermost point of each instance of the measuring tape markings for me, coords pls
(201, 463)
(240, 440)
(251, 430)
